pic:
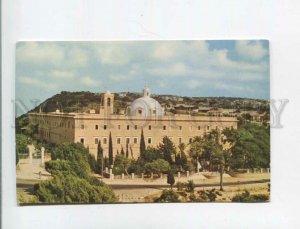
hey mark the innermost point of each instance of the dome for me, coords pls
(146, 106)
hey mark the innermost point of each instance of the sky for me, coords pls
(186, 68)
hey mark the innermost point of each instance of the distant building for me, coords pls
(144, 113)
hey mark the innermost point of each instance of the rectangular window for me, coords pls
(149, 127)
(207, 127)
(164, 127)
(105, 127)
(199, 127)
(82, 126)
(180, 127)
(149, 140)
(190, 140)
(118, 140)
(127, 140)
(82, 140)
(96, 127)
(104, 141)
(127, 127)
(135, 127)
(216, 127)
(135, 140)
(119, 127)
(180, 140)
(96, 140)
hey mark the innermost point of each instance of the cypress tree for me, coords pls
(100, 158)
(110, 150)
(127, 153)
(122, 151)
(142, 145)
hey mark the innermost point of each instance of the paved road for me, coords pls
(141, 186)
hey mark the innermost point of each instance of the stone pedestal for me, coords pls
(122, 176)
(261, 170)
(151, 175)
(142, 175)
(161, 175)
(178, 174)
(248, 171)
(268, 170)
(187, 173)
(132, 175)
(106, 169)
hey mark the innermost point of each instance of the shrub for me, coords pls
(190, 186)
(246, 197)
(168, 196)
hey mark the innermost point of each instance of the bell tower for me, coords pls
(108, 103)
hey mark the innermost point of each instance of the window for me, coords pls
(96, 127)
(82, 126)
(118, 140)
(82, 140)
(104, 141)
(190, 140)
(180, 140)
(127, 140)
(96, 140)
(119, 127)
(216, 127)
(149, 127)
(108, 102)
(149, 140)
(164, 127)
(180, 127)
(135, 140)
(199, 127)
(207, 128)
(127, 127)
(104, 127)
(135, 127)
(140, 111)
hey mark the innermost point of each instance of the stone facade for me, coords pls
(89, 128)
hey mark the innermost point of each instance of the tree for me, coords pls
(158, 166)
(110, 151)
(100, 161)
(183, 159)
(250, 146)
(168, 149)
(127, 150)
(170, 179)
(142, 145)
(22, 142)
(122, 151)
(121, 164)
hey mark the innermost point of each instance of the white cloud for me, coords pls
(174, 69)
(232, 87)
(90, 82)
(251, 49)
(40, 53)
(119, 77)
(78, 57)
(62, 74)
(113, 54)
(192, 84)
(36, 83)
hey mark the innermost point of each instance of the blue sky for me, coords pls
(188, 68)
